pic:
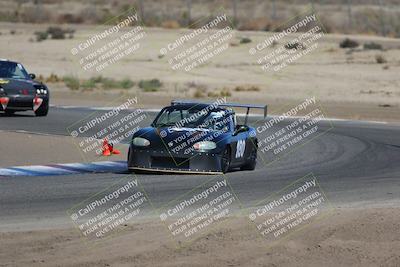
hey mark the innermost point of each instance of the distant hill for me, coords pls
(381, 17)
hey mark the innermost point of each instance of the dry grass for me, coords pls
(251, 88)
(380, 59)
(170, 24)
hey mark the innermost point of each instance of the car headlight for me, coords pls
(139, 141)
(204, 145)
(41, 90)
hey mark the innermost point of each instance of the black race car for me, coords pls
(20, 92)
(195, 137)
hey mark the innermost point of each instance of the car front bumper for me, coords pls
(22, 102)
(163, 161)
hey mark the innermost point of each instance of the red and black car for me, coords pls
(20, 92)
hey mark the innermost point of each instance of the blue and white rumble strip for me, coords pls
(65, 169)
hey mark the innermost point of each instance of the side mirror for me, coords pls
(240, 129)
(32, 75)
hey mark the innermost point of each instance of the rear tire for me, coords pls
(226, 160)
(42, 111)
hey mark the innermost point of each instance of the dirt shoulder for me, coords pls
(350, 237)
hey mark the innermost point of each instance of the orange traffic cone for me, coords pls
(116, 151)
(113, 150)
(106, 148)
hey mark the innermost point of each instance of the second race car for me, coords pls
(20, 92)
(195, 137)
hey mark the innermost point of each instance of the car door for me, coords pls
(241, 147)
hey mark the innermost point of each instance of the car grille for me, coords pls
(170, 163)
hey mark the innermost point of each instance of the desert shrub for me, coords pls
(240, 88)
(41, 36)
(97, 82)
(56, 33)
(184, 19)
(221, 93)
(200, 89)
(213, 94)
(372, 46)
(126, 83)
(97, 79)
(251, 88)
(170, 24)
(330, 50)
(385, 105)
(59, 33)
(245, 40)
(348, 43)
(109, 83)
(225, 92)
(71, 82)
(88, 84)
(294, 45)
(53, 78)
(70, 33)
(199, 93)
(380, 59)
(40, 78)
(150, 85)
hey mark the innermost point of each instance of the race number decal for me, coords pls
(241, 146)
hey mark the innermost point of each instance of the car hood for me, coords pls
(161, 137)
(18, 86)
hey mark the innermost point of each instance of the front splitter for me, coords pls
(173, 171)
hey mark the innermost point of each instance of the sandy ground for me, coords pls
(349, 237)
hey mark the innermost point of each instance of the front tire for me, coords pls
(226, 160)
(251, 164)
(42, 111)
(9, 112)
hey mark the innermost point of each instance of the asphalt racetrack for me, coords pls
(356, 163)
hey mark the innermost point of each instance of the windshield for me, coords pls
(12, 70)
(194, 118)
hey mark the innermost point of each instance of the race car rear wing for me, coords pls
(233, 105)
